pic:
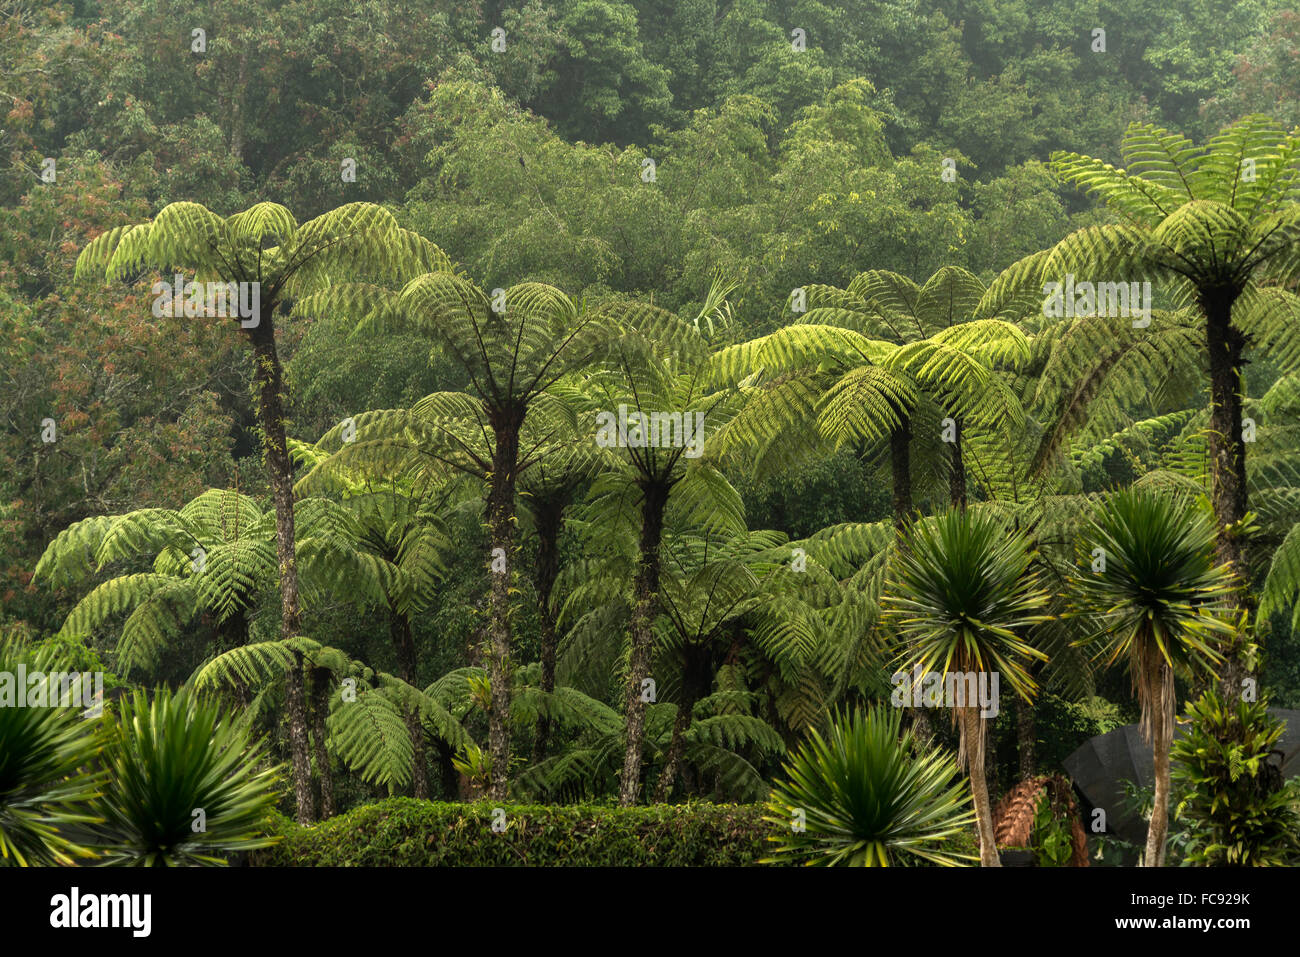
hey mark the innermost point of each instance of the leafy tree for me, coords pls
(953, 334)
(1218, 223)
(608, 88)
(658, 423)
(512, 347)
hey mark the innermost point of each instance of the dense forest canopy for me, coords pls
(822, 228)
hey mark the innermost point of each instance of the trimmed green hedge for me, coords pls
(403, 832)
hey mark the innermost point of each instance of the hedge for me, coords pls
(403, 832)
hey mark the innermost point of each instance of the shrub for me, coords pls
(1235, 808)
(404, 832)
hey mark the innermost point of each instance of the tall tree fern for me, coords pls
(265, 246)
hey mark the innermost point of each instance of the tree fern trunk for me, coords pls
(1225, 344)
(550, 523)
(900, 459)
(697, 682)
(399, 628)
(501, 527)
(448, 774)
(275, 449)
(320, 690)
(957, 473)
(972, 737)
(654, 500)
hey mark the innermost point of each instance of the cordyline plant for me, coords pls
(184, 784)
(47, 776)
(868, 798)
(1158, 606)
(960, 594)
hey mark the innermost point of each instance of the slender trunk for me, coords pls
(957, 472)
(972, 740)
(1162, 732)
(550, 523)
(900, 441)
(320, 702)
(653, 502)
(275, 449)
(501, 526)
(404, 644)
(1025, 739)
(681, 724)
(1225, 345)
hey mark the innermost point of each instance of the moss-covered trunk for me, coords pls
(279, 467)
(502, 530)
(653, 502)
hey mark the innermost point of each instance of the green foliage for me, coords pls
(959, 594)
(1051, 834)
(1235, 808)
(401, 832)
(863, 797)
(777, 169)
(185, 785)
(1159, 599)
(47, 774)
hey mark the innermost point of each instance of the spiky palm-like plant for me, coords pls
(959, 590)
(1158, 603)
(863, 796)
(1218, 224)
(47, 773)
(184, 784)
(265, 246)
